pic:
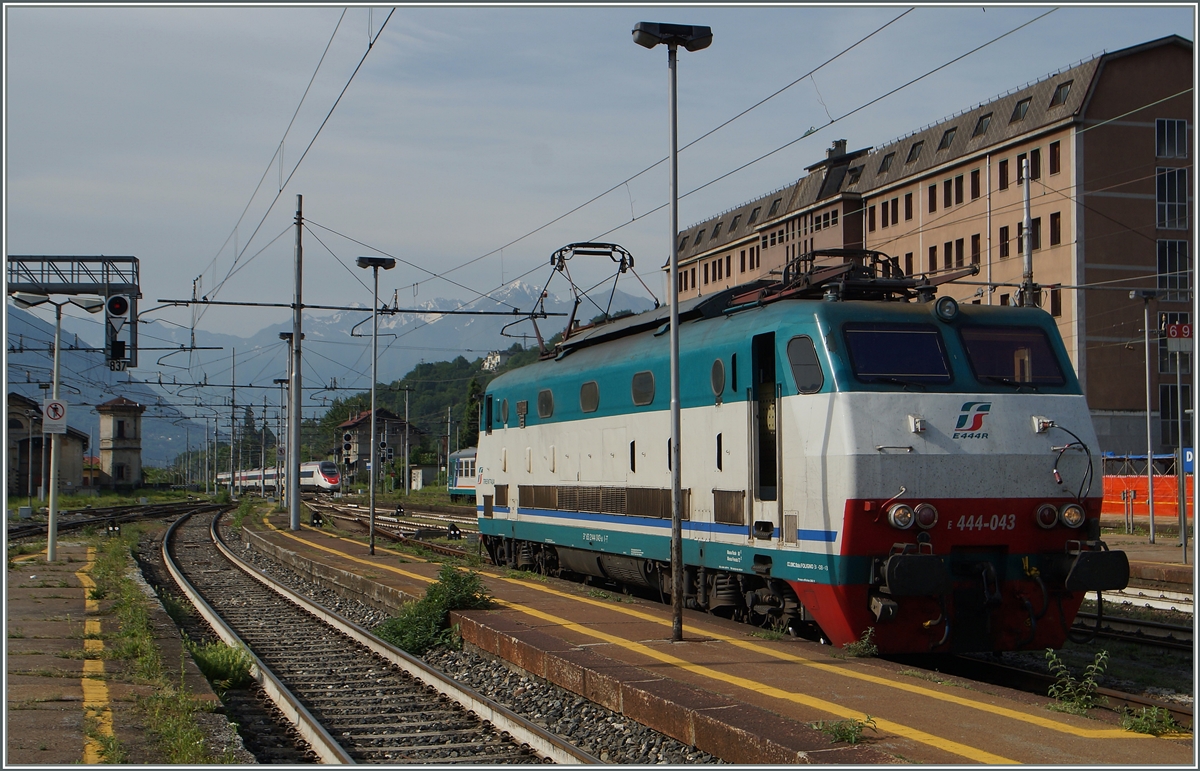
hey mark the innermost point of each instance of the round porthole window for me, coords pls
(718, 377)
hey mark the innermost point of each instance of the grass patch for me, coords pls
(423, 624)
(111, 750)
(1072, 695)
(1152, 720)
(934, 677)
(518, 575)
(848, 731)
(226, 666)
(864, 647)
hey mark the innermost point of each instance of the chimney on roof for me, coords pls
(839, 148)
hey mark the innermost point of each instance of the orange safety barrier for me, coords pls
(1166, 495)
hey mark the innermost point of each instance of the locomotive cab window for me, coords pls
(589, 396)
(806, 368)
(901, 354)
(643, 388)
(1012, 355)
(545, 403)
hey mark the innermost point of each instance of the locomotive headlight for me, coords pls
(946, 309)
(1072, 515)
(901, 516)
(1047, 515)
(926, 515)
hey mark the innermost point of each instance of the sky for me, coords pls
(182, 135)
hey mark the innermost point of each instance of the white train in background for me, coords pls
(316, 475)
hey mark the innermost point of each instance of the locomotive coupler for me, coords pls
(912, 570)
(1089, 566)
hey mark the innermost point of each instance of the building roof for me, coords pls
(863, 172)
(364, 419)
(120, 403)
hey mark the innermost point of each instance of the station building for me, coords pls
(1108, 143)
(28, 469)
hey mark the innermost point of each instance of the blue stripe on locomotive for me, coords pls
(612, 364)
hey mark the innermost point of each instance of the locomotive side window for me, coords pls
(806, 369)
(643, 388)
(504, 411)
(897, 353)
(718, 378)
(1012, 355)
(545, 403)
(589, 396)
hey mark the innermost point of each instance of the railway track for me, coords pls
(1139, 631)
(353, 697)
(81, 519)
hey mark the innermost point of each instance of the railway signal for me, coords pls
(116, 313)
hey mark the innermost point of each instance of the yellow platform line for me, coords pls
(96, 703)
(898, 729)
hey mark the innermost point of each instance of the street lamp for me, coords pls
(91, 305)
(374, 263)
(650, 34)
(1147, 295)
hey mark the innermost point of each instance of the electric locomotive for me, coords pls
(855, 455)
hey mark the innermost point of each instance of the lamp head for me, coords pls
(89, 304)
(28, 299)
(651, 33)
(387, 263)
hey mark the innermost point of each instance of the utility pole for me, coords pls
(1027, 285)
(232, 418)
(293, 472)
(262, 455)
(407, 473)
(447, 447)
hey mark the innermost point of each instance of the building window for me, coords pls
(774, 207)
(958, 253)
(706, 273)
(119, 472)
(1004, 241)
(871, 219)
(975, 249)
(933, 198)
(947, 254)
(933, 258)
(833, 215)
(958, 189)
(743, 261)
(699, 237)
(895, 211)
(908, 263)
(982, 126)
(733, 225)
(1035, 163)
(974, 184)
(855, 174)
(1168, 410)
(886, 163)
(1171, 197)
(754, 215)
(908, 206)
(1002, 174)
(947, 138)
(1035, 234)
(1060, 94)
(1174, 271)
(729, 264)
(1055, 302)
(716, 231)
(947, 193)
(692, 278)
(772, 239)
(1055, 228)
(1055, 157)
(1170, 138)
(1021, 168)
(1020, 110)
(884, 219)
(1020, 238)
(120, 429)
(1004, 299)
(915, 151)
(683, 243)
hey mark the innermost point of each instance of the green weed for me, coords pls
(1071, 695)
(849, 731)
(422, 625)
(226, 667)
(1153, 720)
(863, 648)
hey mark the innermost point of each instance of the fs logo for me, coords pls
(970, 420)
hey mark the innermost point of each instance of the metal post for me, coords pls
(232, 421)
(673, 280)
(374, 377)
(1182, 477)
(1027, 299)
(262, 455)
(55, 451)
(1149, 440)
(407, 473)
(294, 377)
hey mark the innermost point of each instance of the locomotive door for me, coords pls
(765, 428)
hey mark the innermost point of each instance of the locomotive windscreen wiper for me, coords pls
(1010, 382)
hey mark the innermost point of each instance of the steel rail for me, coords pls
(541, 741)
(307, 726)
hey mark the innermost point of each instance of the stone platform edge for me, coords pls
(1170, 574)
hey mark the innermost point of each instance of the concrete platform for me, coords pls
(744, 698)
(1161, 562)
(58, 679)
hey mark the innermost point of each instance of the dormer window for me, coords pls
(716, 232)
(947, 138)
(915, 151)
(699, 236)
(774, 207)
(886, 163)
(754, 215)
(1060, 94)
(733, 225)
(855, 173)
(683, 243)
(982, 126)
(1020, 110)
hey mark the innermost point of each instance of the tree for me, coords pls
(469, 434)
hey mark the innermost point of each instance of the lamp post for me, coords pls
(91, 305)
(281, 382)
(1147, 295)
(650, 34)
(374, 263)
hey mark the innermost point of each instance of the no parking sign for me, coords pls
(54, 416)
